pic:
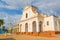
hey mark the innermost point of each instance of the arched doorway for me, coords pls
(40, 26)
(20, 27)
(34, 26)
(26, 27)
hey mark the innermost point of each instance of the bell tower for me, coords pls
(29, 11)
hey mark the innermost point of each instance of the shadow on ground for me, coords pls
(8, 39)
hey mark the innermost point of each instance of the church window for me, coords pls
(26, 15)
(47, 22)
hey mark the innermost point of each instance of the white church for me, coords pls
(33, 22)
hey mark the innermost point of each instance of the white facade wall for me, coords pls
(31, 17)
(23, 28)
(29, 12)
(49, 27)
(30, 27)
(56, 22)
(59, 24)
(37, 25)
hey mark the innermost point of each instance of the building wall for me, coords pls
(59, 24)
(31, 16)
(34, 16)
(30, 25)
(28, 10)
(50, 26)
(40, 19)
(56, 22)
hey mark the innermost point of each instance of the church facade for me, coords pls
(33, 22)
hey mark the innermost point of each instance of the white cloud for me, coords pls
(14, 19)
(15, 4)
(42, 4)
(48, 4)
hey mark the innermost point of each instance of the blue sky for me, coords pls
(11, 10)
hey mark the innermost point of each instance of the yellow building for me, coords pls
(15, 29)
(33, 22)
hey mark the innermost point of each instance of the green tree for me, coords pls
(1, 22)
(3, 28)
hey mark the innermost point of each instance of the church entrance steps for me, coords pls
(57, 32)
(43, 34)
(47, 34)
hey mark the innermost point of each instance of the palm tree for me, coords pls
(1, 22)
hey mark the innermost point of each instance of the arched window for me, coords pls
(34, 26)
(26, 27)
(26, 15)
